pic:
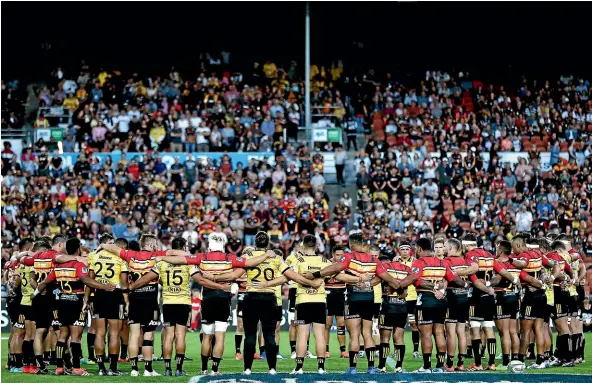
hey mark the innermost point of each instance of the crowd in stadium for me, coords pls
(425, 192)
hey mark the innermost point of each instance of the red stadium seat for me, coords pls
(510, 192)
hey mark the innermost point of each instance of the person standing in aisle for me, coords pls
(340, 159)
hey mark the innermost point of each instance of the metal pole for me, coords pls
(307, 107)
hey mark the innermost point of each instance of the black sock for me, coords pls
(449, 361)
(383, 352)
(180, 358)
(461, 359)
(67, 358)
(215, 363)
(28, 353)
(167, 365)
(427, 361)
(134, 363)
(482, 350)
(123, 353)
(292, 346)
(362, 347)
(415, 339)
(353, 359)
(52, 355)
(60, 346)
(321, 363)
(521, 357)
(441, 358)
(307, 345)
(201, 335)
(370, 354)
(299, 363)
(261, 349)
(540, 359)
(101, 362)
(476, 347)
(327, 348)
(76, 354)
(148, 365)
(40, 362)
(18, 360)
(492, 349)
(530, 352)
(505, 359)
(46, 355)
(469, 353)
(113, 359)
(400, 354)
(204, 362)
(90, 345)
(342, 348)
(10, 360)
(238, 339)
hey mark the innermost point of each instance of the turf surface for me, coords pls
(334, 364)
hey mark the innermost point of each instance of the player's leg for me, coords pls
(148, 349)
(328, 326)
(354, 328)
(292, 334)
(515, 337)
(367, 335)
(278, 325)
(451, 342)
(218, 349)
(399, 339)
(425, 332)
(135, 330)
(76, 345)
(526, 326)
(61, 348)
(318, 329)
(261, 341)
(101, 331)
(16, 343)
(238, 336)
(340, 320)
(251, 314)
(268, 326)
(114, 345)
(491, 342)
(167, 346)
(461, 334)
(303, 332)
(49, 345)
(124, 341)
(180, 346)
(385, 344)
(539, 332)
(90, 339)
(503, 327)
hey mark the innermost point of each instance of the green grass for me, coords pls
(230, 365)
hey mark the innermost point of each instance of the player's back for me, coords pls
(268, 270)
(68, 276)
(176, 282)
(26, 287)
(310, 263)
(107, 267)
(411, 291)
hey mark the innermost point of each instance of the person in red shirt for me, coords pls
(359, 305)
(71, 277)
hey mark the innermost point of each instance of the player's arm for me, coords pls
(199, 278)
(519, 262)
(109, 247)
(255, 261)
(498, 268)
(352, 279)
(333, 269)
(478, 283)
(124, 284)
(226, 277)
(382, 274)
(495, 280)
(530, 280)
(144, 280)
(294, 276)
(33, 279)
(582, 272)
(408, 281)
(63, 258)
(88, 281)
(41, 286)
(472, 269)
(274, 282)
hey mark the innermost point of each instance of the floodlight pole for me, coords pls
(307, 107)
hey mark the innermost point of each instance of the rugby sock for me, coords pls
(60, 346)
(113, 359)
(482, 350)
(353, 359)
(370, 354)
(572, 347)
(427, 361)
(52, 356)
(40, 362)
(46, 355)
(530, 352)
(461, 359)
(342, 348)
(28, 353)
(215, 363)
(321, 363)
(476, 347)
(134, 363)
(521, 357)
(167, 365)
(449, 361)
(261, 349)
(123, 353)
(327, 348)
(292, 346)
(492, 349)
(469, 353)
(441, 357)
(383, 353)
(576, 343)
(415, 339)
(18, 360)
(361, 347)
(505, 359)
(400, 354)
(67, 358)
(238, 339)
(10, 360)
(148, 365)
(180, 358)
(204, 362)
(540, 359)
(299, 363)
(101, 362)
(90, 345)
(76, 354)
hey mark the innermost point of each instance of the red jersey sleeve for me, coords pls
(523, 275)
(194, 260)
(125, 255)
(159, 253)
(524, 257)
(471, 257)
(546, 262)
(450, 275)
(380, 269)
(498, 267)
(81, 270)
(567, 268)
(417, 270)
(50, 277)
(29, 261)
(238, 262)
(473, 277)
(345, 260)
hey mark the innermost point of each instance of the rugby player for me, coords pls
(71, 277)
(239, 333)
(335, 290)
(406, 259)
(292, 334)
(375, 252)
(359, 306)
(109, 307)
(311, 307)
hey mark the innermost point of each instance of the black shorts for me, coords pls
(506, 306)
(430, 310)
(13, 306)
(335, 302)
(308, 313)
(176, 314)
(390, 321)
(376, 310)
(481, 308)
(279, 313)
(215, 309)
(292, 299)
(458, 308)
(240, 304)
(561, 307)
(70, 312)
(574, 306)
(144, 311)
(108, 305)
(25, 313)
(411, 310)
(533, 305)
(359, 310)
(581, 294)
(45, 314)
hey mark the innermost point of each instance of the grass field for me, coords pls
(230, 365)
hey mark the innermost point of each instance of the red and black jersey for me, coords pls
(216, 262)
(67, 275)
(43, 262)
(431, 269)
(484, 260)
(140, 263)
(359, 264)
(456, 264)
(536, 261)
(398, 271)
(505, 285)
(563, 265)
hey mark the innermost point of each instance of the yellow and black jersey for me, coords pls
(309, 263)
(176, 282)
(26, 288)
(107, 267)
(290, 261)
(268, 270)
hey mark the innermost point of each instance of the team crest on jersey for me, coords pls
(84, 270)
(415, 270)
(240, 259)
